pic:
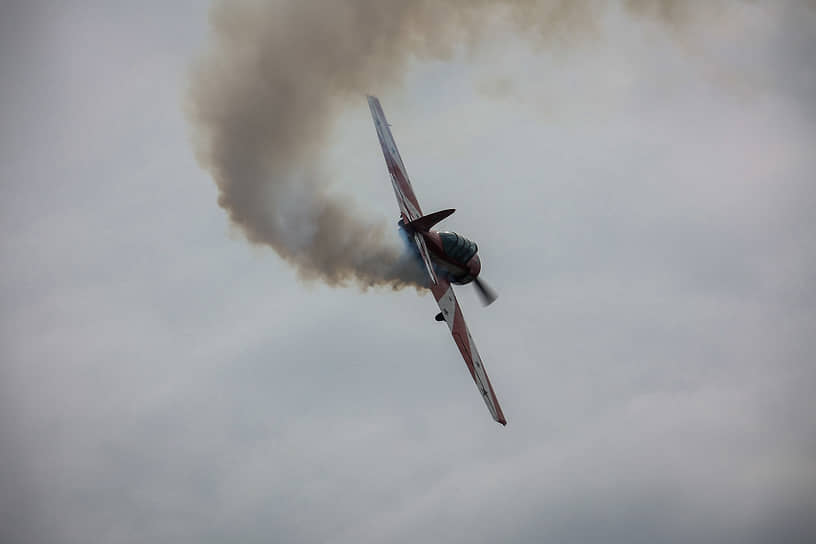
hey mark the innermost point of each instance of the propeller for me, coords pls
(486, 294)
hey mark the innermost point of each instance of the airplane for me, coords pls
(449, 258)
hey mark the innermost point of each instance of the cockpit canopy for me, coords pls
(457, 247)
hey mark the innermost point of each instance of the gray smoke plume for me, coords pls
(277, 74)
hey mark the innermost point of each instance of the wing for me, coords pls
(408, 203)
(443, 293)
(441, 288)
(426, 257)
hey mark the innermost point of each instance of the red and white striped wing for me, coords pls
(441, 288)
(445, 297)
(408, 203)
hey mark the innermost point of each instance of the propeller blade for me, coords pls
(487, 294)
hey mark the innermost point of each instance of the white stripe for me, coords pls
(448, 306)
(481, 376)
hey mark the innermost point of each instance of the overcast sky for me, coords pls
(642, 197)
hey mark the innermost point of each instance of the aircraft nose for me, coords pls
(474, 265)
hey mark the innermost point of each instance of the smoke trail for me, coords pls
(264, 96)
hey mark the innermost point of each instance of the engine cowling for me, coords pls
(464, 253)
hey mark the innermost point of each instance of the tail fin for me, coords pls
(425, 222)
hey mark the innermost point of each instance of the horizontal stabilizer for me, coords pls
(425, 222)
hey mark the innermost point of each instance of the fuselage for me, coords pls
(452, 254)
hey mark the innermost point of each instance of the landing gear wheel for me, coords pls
(440, 317)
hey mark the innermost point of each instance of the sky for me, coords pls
(641, 190)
